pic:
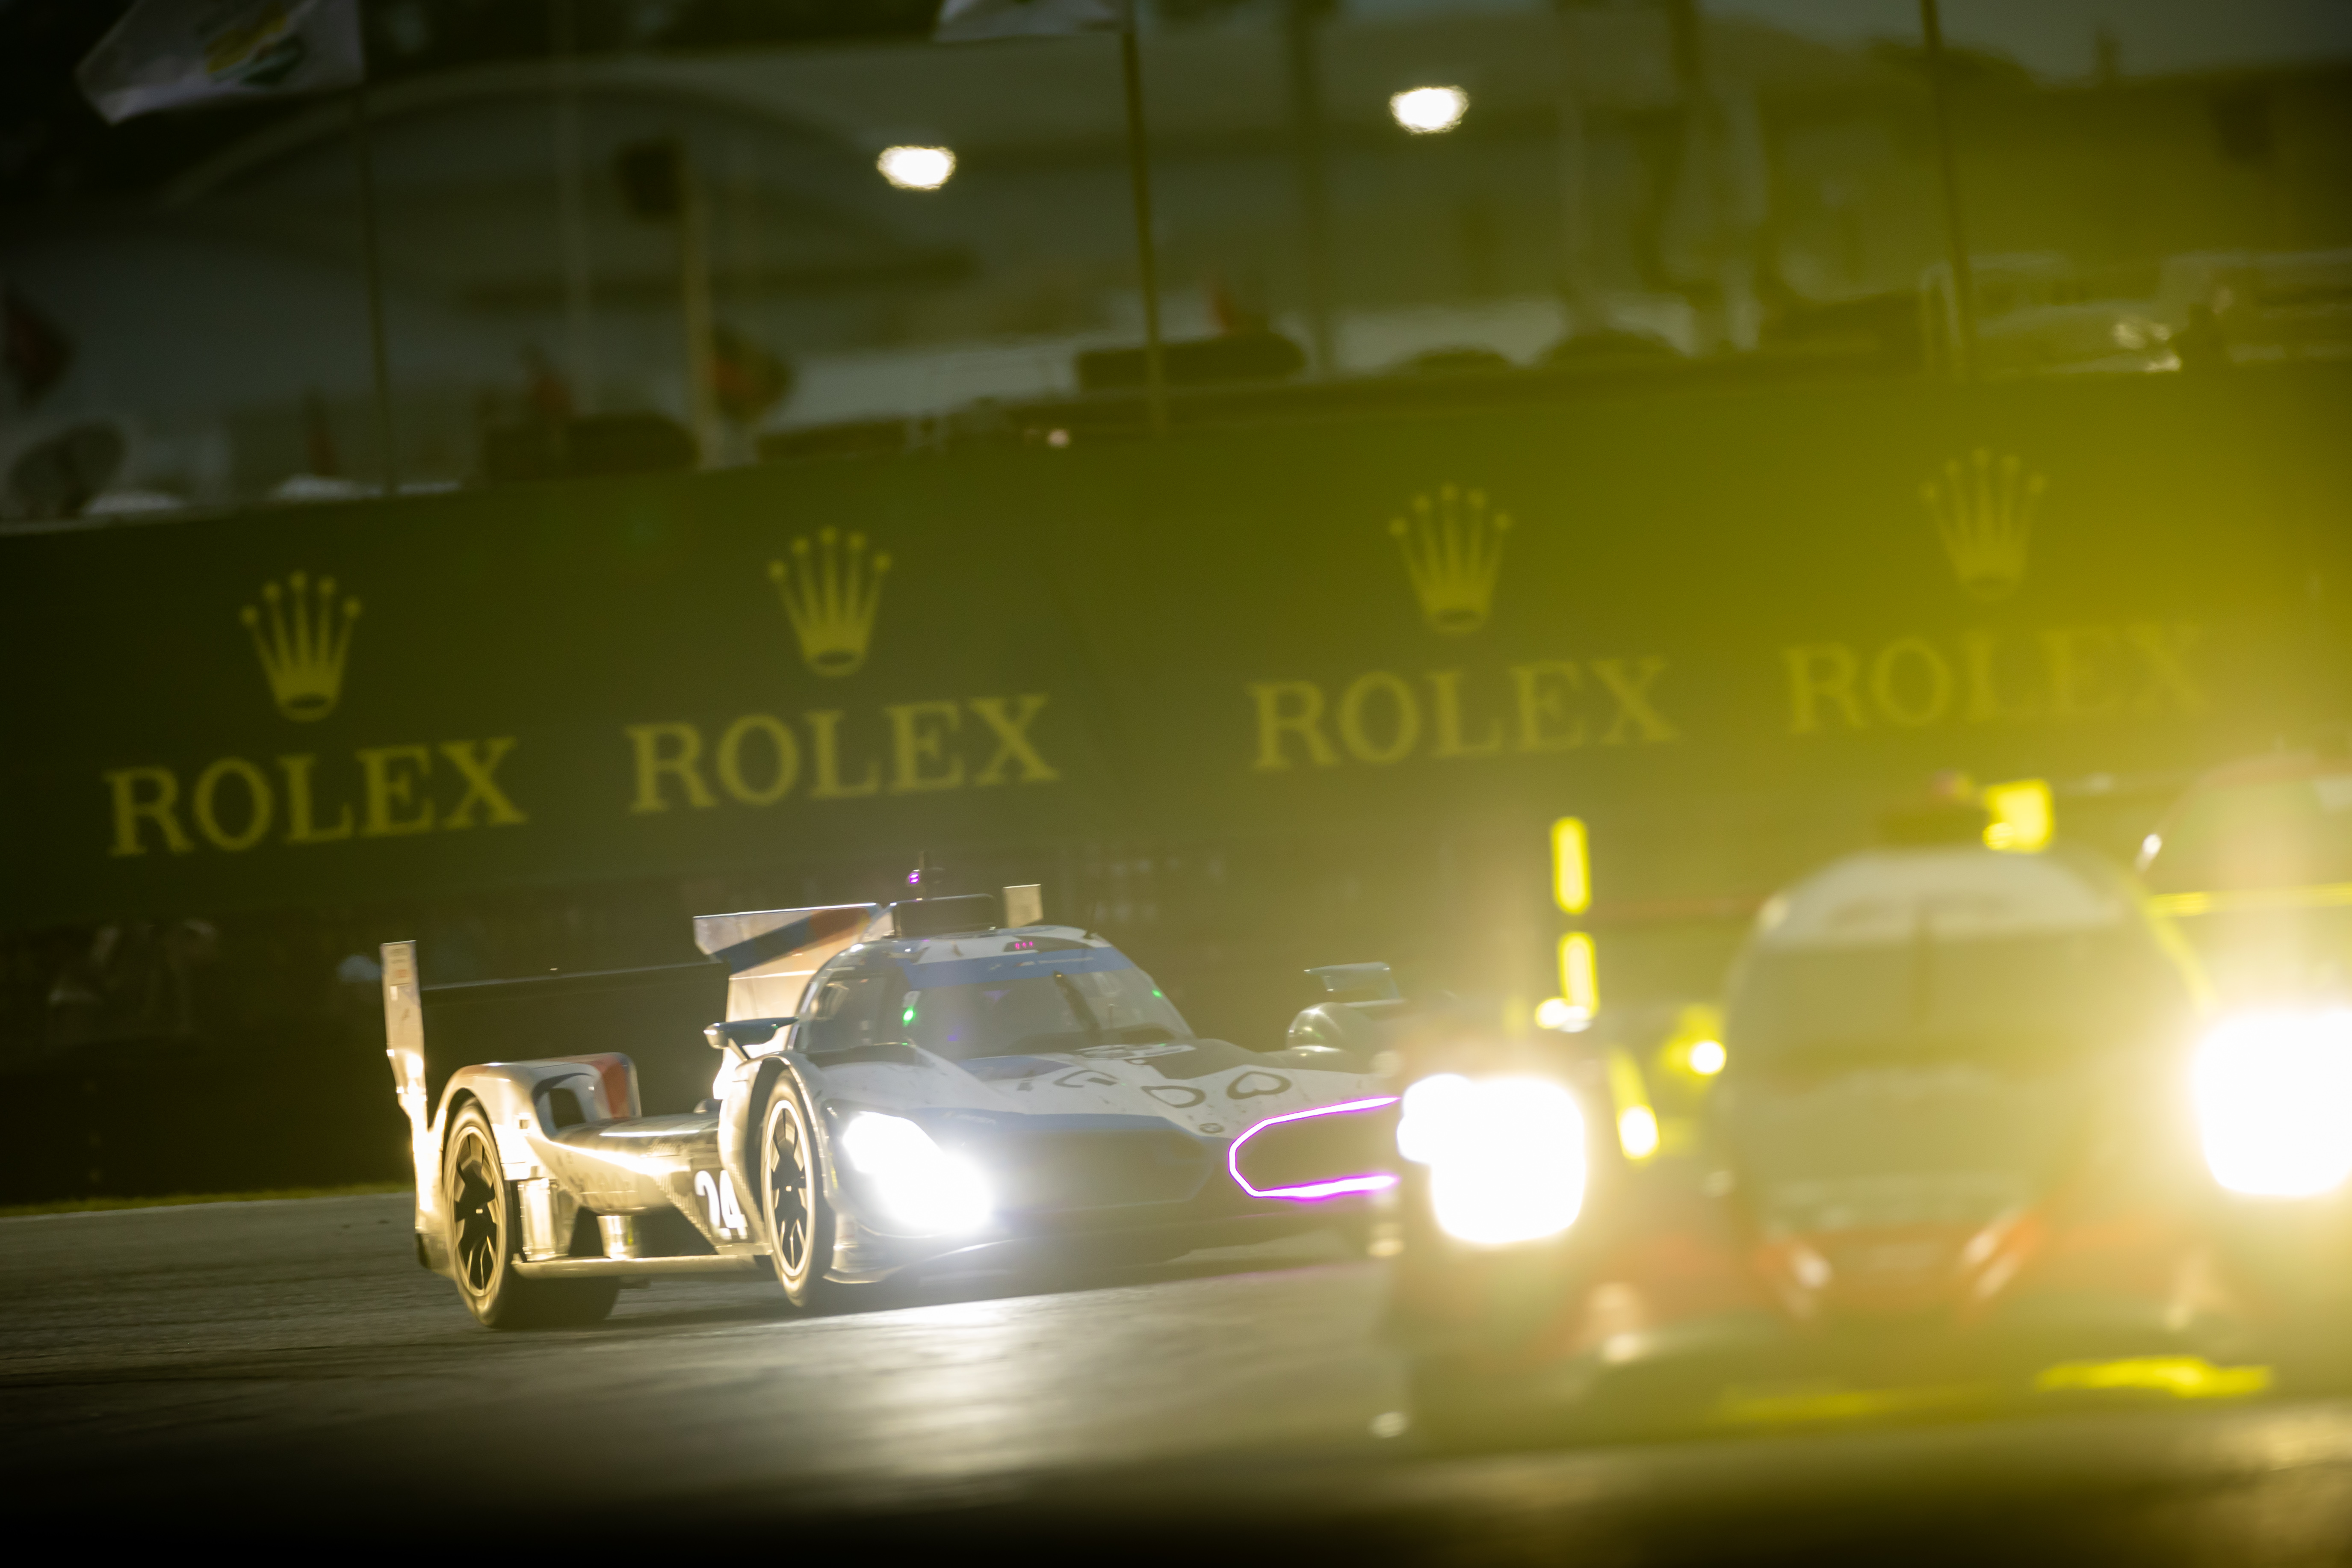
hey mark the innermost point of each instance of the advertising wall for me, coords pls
(1716, 622)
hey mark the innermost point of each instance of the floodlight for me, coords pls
(1425, 110)
(917, 168)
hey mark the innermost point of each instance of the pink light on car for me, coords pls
(1312, 1191)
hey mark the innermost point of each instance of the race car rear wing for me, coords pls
(652, 1016)
(403, 1042)
(433, 1030)
(770, 955)
(761, 962)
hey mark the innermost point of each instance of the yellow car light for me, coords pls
(2274, 1094)
(1506, 1155)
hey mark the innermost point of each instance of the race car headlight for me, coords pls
(2274, 1103)
(918, 1183)
(1506, 1155)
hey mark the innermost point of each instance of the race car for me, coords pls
(895, 1084)
(1973, 1142)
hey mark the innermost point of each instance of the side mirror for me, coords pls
(1357, 982)
(744, 1032)
(1341, 1027)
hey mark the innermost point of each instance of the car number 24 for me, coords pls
(718, 1195)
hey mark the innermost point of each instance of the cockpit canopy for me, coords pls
(1037, 989)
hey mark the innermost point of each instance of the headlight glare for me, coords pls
(918, 1183)
(2274, 1097)
(1506, 1155)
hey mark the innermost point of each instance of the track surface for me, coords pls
(265, 1368)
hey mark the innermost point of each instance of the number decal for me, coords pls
(708, 1191)
(718, 1195)
(1250, 1084)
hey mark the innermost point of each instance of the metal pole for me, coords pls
(1575, 222)
(386, 436)
(693, 268)
(1138, 172)
(1314, 194)
(1964, 285)
(1701, 164)
(572, 207)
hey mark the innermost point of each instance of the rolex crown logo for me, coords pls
(302, 636)
(1984, 514)
(831, 593)
(1452, 549)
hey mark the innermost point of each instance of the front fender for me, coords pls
(747, 1090)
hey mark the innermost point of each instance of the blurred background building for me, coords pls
(1650, 182)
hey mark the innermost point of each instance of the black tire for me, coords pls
(1450, 1413)
(1459, 1410)
(485, 1238)
(795, 1207)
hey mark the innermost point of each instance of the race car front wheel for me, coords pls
(793, 1206)
(482, 1242)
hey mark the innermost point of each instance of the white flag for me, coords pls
(167, 53)
(968, 21)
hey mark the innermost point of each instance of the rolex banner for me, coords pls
(1723, 629)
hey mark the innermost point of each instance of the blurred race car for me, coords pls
(895, 1084)
(1971, 1139)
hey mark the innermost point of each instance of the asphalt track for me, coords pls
(286, 1370)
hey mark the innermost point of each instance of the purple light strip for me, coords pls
(1312, 1191)
(1315, 1191)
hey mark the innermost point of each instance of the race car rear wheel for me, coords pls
(483, 1231)
(793, 1206)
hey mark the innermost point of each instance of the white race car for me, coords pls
(896, 1083)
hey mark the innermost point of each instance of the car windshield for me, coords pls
(2048, 997)
(853, 1009)
(1057, 1012)
(1033, 1002)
